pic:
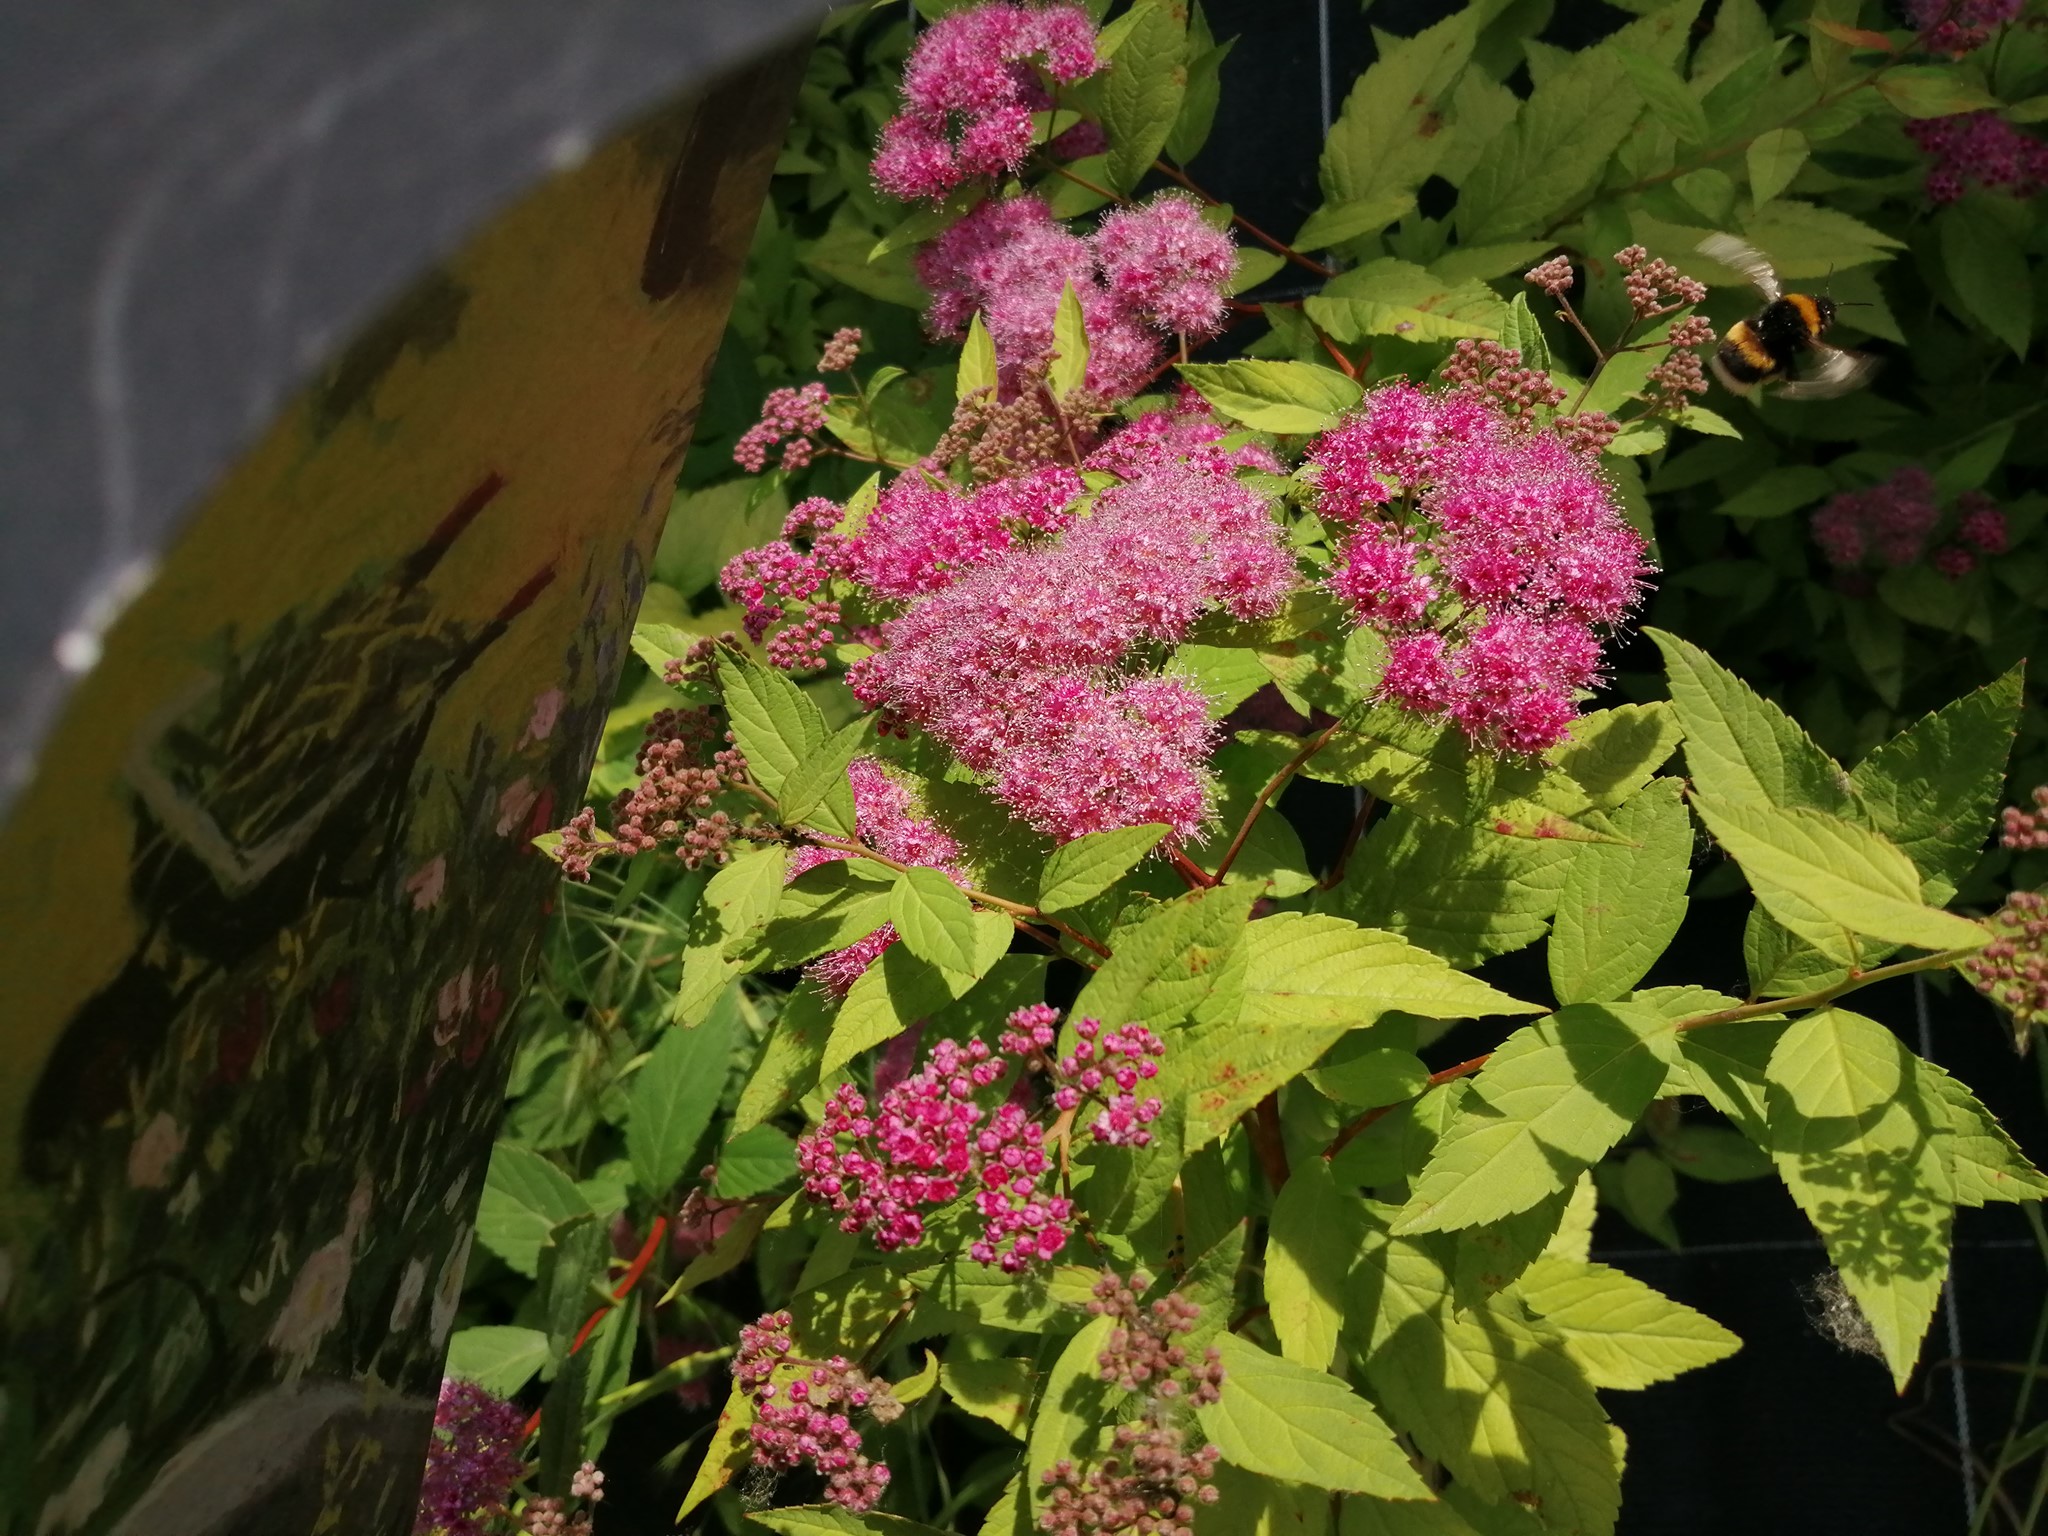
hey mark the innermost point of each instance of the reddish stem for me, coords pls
(1372, 1117)
(619, 1293)
(1198, 879)
(1262, 1125)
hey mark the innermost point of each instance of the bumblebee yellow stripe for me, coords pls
(1809, 312)
(1749, 346)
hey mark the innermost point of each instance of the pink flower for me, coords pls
(1485, 550)
(1162, 262)
(1014, 667)
(806, 1417)
(939, 1134)
(1981, 149)
(970, 86)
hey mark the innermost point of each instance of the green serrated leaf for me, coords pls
(1289, 398)
(831, 1520)
(934, 918)
(1622, 903)
(790, 1059)
(1465, 893)
(1337, 223)
(1524, 332)
(1092, 863)
(773, 723)
(1827, 879)
(900, 988)
(1989, 272)
(821, 778)
(1858, 1146)
(525, 1198)
(729, 1450)
(737, 904)
(998, 1390)
(1169, 963)
(1305, 968)
(1370, 1076)
(1554, 152)
(1389, 297)
(1669, 101)
(754, 1162)
(672, 1099)
(500, 1360)
(1303, 1425)
(1932, 90)
(1315, 1233)
(1548, 1103)
(1983, 1161)
(1141, 97)
(1388, 138)
(1494, 1399)
(1774, 159)
(1612, 753)
(1069, 344)
(977, 360)
(1620, 1332)
(1070, 1409)
(1740, 747)
(1934, 788)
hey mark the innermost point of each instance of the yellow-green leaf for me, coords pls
(1290, 1421)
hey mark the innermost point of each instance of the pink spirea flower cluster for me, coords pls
(1149, 272)
(1895, 523)
(2026, 831)
(970, 86)
(791, 417)
(1150, 1481)
(1185, 433)
(550, 1516)
(1978, 149)
(885, 816)
(473, 1461)
(807, 1418)
(936, 1135)
(1488, 554)
(2012, 970)
(1959, 26)
(1017, 667)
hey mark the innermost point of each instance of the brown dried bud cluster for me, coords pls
(2012, 970)
(2026, 831)
(1002, 438)
(841, 351)
(1655, 287)
(1554, 276)
(1589, 432)
(1494, 373)
(1150, 1482)
(672, 803)
(1667, 391)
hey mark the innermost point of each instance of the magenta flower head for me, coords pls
(1488, 553)
(473, 1461)
(971, 83)
(1019, 667)
(1164, 263)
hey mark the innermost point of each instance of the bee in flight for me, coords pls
(1781, 343)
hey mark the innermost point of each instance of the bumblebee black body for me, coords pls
(1770, 345)
(1781, 343)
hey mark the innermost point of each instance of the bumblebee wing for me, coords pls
(1832, 372)
(1746, 259)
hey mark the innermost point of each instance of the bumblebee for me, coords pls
(1781, 344)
